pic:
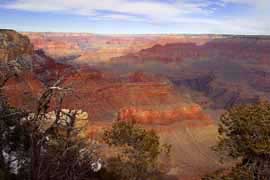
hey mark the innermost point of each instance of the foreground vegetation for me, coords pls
(48, 144)
(137, 152)
(245, 137)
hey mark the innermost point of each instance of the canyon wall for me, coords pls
(103, 95)
(227, 70)
(13, 45)
(87, 48)
(174, 84)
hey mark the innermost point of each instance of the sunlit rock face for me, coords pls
(163, 117)
(103, 96)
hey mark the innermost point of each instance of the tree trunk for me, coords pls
(35, 159)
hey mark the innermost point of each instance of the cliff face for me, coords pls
(149, 97)
(163, 117)
(25, 71)
(47, 70)
(235, 48)
(23, 91)
(103, 95)
(21, 84)
(106, 98)
(88, 48)
(237, 64)
(13, 45)
(229, 71)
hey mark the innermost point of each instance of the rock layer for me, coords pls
(13, 45)
(152, 98)
(163, 117)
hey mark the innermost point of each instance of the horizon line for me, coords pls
(144, 34)
(139, 34)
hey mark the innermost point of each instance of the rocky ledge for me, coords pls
(13, 45)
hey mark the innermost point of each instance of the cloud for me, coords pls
(118, 17)
(154, 10)
(185, 15)
(249, 2)
(257, 4)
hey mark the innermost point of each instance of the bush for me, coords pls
(244, 135)
(136, 151)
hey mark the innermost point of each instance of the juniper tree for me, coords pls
(244, 135)
(136, 151)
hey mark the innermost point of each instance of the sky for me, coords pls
(138, 16)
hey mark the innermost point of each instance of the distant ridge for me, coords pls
(150, 35)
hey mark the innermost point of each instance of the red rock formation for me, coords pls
(163, 117)
(167, 48)
(103, 96)
(23, 91)
(13, 44)
(229, 71)
(140, 77)
(141, 89)
(144, 98)
(47, 69)
(93, 47)
(235, 48)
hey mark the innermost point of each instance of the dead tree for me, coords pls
(72, 157)
(71, 161)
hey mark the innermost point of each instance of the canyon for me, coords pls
(177, 85)
(226, 70)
